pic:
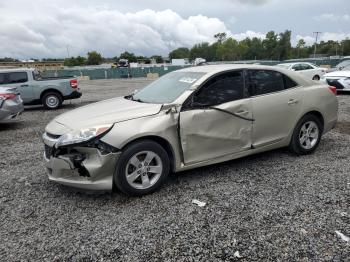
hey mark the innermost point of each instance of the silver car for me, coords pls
(186, 119)
(11, 104)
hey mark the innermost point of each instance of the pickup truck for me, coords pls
(35, 89)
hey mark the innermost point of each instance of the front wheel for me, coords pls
(142, 168)
(307, 135)
(316, 78)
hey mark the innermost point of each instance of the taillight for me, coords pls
(8, 96)
(74, 83)
(333, 89)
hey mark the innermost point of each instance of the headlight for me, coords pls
(81, 136)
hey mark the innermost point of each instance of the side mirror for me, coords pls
(135, 91)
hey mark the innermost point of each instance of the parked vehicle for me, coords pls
(186, 119)
(36, 90)
(308, 70)
(11, 104)
(200, 62)
(339, 79)
(344, 65)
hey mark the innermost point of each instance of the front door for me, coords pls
(217, 119)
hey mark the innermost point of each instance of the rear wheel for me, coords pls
(316, 77)
(142, 168)
(307, 135)
(52, 100)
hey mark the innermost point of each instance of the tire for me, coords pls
(134, 175)
(306, 135)
(52, 100)
(316, 78)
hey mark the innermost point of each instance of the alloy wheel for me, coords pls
(143, 170)
(308, 135)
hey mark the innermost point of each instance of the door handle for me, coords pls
(293, 102)
(23, 85)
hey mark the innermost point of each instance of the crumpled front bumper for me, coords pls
(84, 168)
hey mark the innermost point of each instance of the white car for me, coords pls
(338, 79)
(308, 70)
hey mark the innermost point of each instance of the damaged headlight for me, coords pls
(81, 136)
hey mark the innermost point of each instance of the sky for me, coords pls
(61, 28)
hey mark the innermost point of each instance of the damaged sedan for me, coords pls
(186, 119)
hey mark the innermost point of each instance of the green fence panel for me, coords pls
(110, 73)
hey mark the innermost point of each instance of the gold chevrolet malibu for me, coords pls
(186, 119)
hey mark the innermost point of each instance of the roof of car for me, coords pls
(19, 69)
(214, 69)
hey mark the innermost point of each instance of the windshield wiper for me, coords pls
(131, 97)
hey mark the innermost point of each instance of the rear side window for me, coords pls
(262, 82)
(17, 77)
(221, 89)
(288, 83)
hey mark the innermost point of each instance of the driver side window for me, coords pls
(221, 89)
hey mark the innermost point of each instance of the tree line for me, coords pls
(273, 47)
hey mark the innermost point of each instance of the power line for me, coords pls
(317, 33)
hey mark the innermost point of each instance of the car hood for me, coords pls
(338, 74)
(102, 113)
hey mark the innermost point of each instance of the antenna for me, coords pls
(317, 33)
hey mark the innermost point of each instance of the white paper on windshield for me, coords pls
(188, 80)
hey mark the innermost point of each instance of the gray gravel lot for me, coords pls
(271, 206)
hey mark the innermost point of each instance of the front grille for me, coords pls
(48, 151)
(335, 83)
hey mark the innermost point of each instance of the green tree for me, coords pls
(159, 59)
(94, 58)
(284, 45)
(75, 61)
(228, 50)
(220, 37)
(202, 50)
(182, 52)
(270, 44)
(345, 47)
(130, 56)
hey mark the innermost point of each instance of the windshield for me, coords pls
(167, 88)
(343, 64)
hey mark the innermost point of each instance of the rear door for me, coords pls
(276, 104)
(216, 120)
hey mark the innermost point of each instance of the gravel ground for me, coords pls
(271, 206)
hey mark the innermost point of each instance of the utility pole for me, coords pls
(67, 46)
(317, 33)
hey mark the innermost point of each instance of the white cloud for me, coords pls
(332, 17)
(326, 36)
(108, 31)
(50, 26)
(250, 34)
